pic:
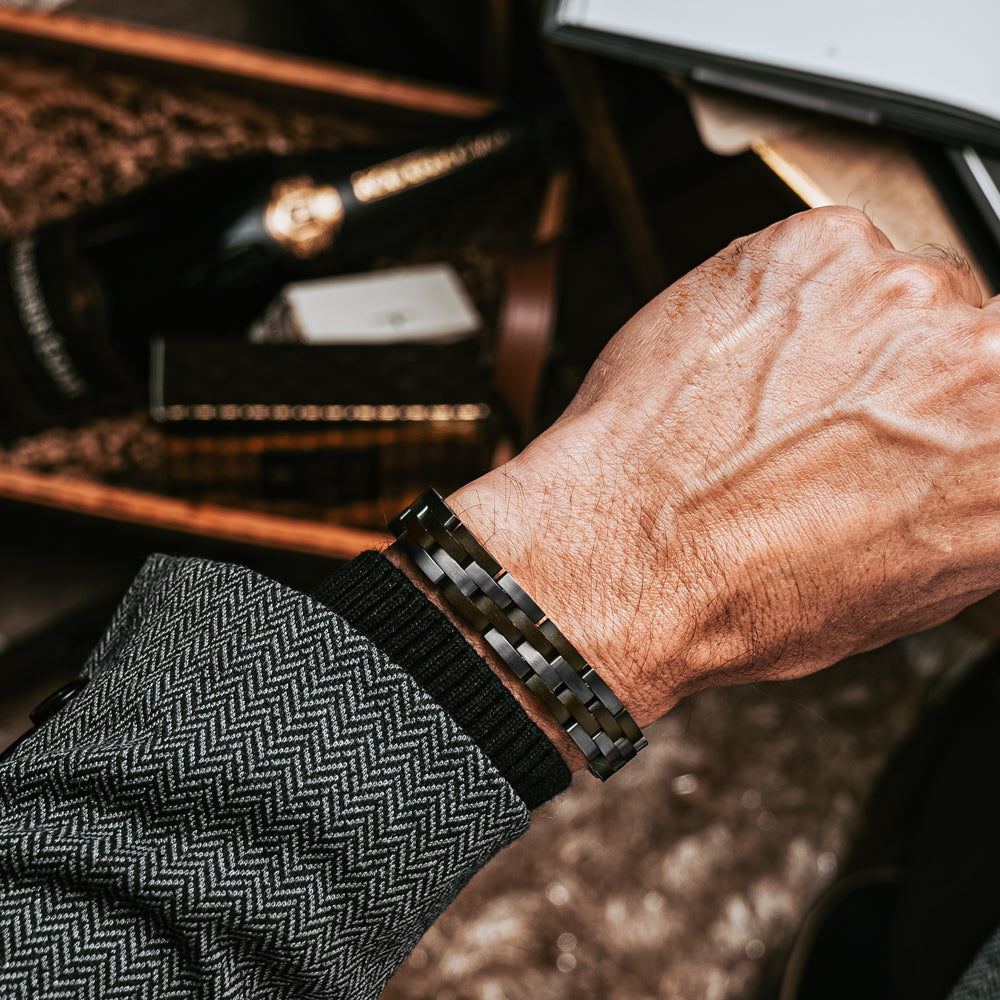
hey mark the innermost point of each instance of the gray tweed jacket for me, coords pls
(248, 800)
(982, 979)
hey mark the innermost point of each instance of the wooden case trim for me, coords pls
(230, 62)
(201, 519)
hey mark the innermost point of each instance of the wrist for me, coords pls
(536, 535)
(660, 599)
(565, 746)
(495, 604)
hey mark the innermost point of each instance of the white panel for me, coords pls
(948, 52)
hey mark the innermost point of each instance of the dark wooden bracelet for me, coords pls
(495, 605)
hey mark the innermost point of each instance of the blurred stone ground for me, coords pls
(685, 877)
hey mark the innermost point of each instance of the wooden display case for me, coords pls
(251, 99)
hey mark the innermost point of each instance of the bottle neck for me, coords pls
(352, 214)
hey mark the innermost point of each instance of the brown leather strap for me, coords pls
(528, 316)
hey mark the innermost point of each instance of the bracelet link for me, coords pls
(529, 643)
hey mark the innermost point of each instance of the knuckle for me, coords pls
(917, 282)
(837, 221)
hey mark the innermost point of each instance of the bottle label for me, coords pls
(413, 169)
(423, 303)
(47, 344)
(303, 216)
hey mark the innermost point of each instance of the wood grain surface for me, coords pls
(827, 162)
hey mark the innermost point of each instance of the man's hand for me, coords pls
(791, 455)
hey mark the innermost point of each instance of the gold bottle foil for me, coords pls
(414, 169)
(303, 216)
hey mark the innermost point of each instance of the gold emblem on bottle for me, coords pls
(303, 216)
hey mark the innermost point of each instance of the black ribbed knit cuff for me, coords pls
(383, 604)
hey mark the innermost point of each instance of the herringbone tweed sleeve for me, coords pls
(248, 800)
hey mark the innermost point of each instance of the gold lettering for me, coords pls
(413, 169)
